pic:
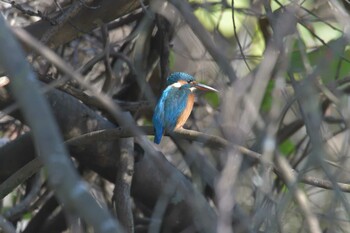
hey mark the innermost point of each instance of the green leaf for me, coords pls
(171, 59)
(27, 215)
(216, 17)
(327, 59)
(213, 99)
(267, 100)
(287, 147)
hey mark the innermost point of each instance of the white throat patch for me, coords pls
(177, 85)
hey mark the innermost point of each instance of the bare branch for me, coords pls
(19, 177)
(86, 20)
(300, 197)
(124, 174)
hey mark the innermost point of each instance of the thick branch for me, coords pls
(84, 21)
(61, 173)
(125, 170)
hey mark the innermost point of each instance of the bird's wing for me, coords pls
(168, 110)
(158, 117)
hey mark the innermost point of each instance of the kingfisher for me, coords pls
(176, 103)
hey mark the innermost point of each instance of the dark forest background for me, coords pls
(268, 153)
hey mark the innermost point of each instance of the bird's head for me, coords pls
(179, 79)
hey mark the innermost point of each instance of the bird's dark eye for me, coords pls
(189, 81)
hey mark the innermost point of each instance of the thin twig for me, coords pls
(73, 10)
(236, 35)
(203, 35)
(17, 210)
(105, 101)
(300, 197)
(110, 77)
(30, 12)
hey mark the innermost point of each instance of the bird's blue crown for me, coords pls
(175, 77)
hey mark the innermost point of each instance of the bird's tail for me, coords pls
(158, 135)
(157, 139)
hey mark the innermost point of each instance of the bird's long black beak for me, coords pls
(203, 87)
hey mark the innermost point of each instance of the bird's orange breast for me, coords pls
(186, 113)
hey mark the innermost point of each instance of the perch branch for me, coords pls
(209, 140)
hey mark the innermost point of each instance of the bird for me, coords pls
(176, 103)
